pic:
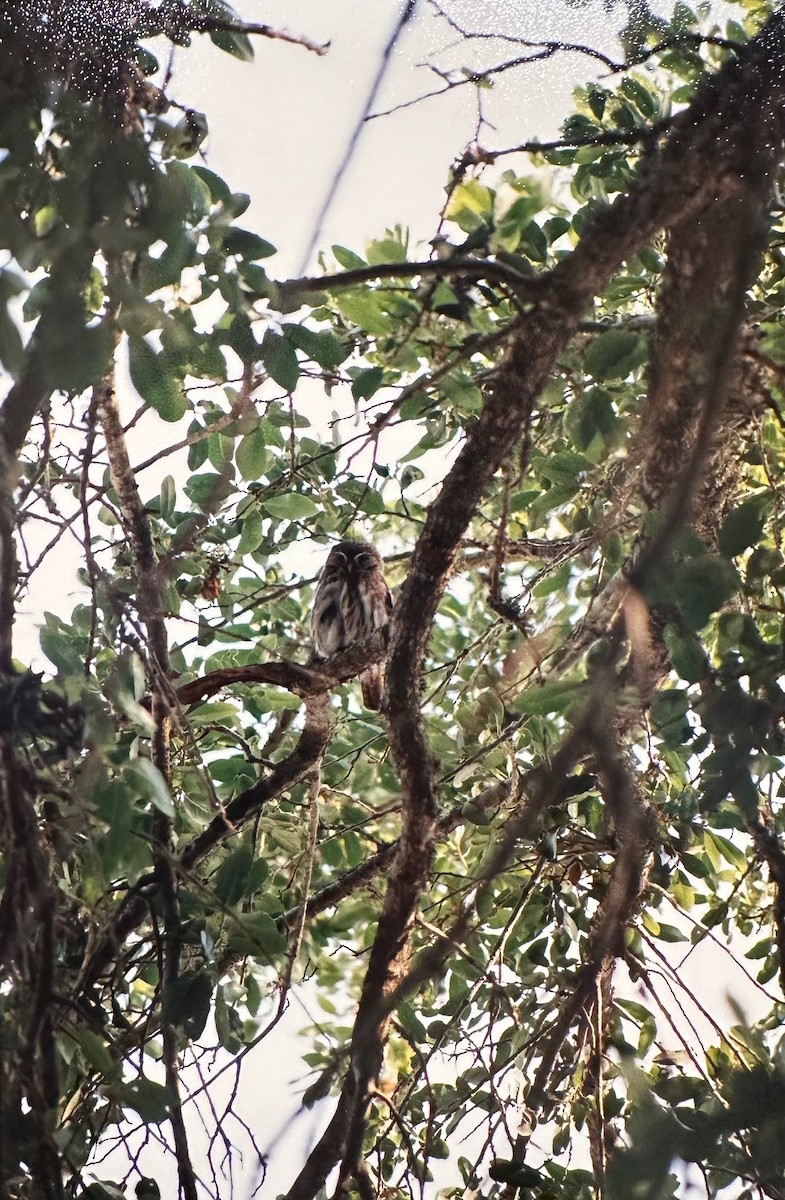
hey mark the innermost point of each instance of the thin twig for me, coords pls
(407, 12)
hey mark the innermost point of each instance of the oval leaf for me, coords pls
(151, 783)
(154, 381)
(290, 507)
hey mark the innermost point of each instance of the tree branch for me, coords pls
(527, 286)
(310, 680)
(175, 22)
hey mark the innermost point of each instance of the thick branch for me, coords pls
(301, 680)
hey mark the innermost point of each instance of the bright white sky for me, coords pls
(279, 128)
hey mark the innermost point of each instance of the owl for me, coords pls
(352, 601)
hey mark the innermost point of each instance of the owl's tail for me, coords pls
(372, 684)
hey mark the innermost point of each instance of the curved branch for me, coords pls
(310, 680)
(527, 286)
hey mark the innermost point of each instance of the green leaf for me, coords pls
(347, 258)
(207, 490)
(146, 62)
(253, 457)
(219, 191)
(564, 467)
(743, 525)
(152, 1101)
(212, 712)
(232, 42)
(724, 847)
(96, 1052)
(185, 138)
(515, 219)
(150, 783)
(534, 243)
(247, 245)
(386, 250)
(62, 649)
(695, 866)
(291, 506)
(613, 355)
(470, 205)
(280, 358)
(688, 657)
(233, 875)
(239, 335)
(701, 586)
(186, 1003)
(37, 297)
(555, 227)
(153, 379)
(256, 876)
(551, 697)
(366, 383)
(644, 100)
(366, 309)
(669, 933)
(252, 533)
(320, 345)
(258, 935)
(168, 498)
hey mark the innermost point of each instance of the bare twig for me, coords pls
(407, 12)
(301, 915)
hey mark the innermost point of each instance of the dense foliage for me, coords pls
(564, 432)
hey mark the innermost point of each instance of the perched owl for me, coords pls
(351, 602)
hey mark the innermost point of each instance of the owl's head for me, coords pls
(355, 557)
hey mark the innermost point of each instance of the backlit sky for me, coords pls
(280, 126)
